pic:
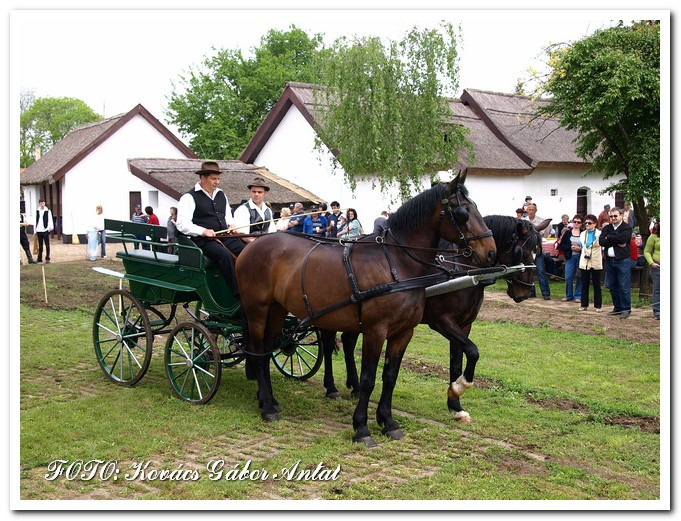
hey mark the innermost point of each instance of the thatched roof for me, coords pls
(506, 137)
(176, 177)
(537, 140)
(492, 156)
(76, 145)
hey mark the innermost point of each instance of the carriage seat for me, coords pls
(165, 258)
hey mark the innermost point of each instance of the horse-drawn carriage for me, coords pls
(197, 347)
(292, 311)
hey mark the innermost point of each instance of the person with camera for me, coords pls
(591, 262)
(571, 245)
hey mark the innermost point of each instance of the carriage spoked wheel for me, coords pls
(192, 363)
(299, 356)
(122, 337)
(230, 347)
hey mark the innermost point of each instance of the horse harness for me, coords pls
(458, 217)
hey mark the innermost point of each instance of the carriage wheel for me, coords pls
(192, 363)
(122, 337)
(230, 348)
(301, 356)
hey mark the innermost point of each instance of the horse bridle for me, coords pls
(516, 251)
(459, 216)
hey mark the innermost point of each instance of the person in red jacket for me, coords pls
(152, 219)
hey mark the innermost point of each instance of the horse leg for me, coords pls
(459, 345)
(393, 359)
(371, 351)
(328, 346)
(260, 337)
(349, 343)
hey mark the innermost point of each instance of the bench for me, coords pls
(187, 253)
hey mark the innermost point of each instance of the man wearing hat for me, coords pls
(254, 212)
(140, 218)
(315, 224)
(204, 210)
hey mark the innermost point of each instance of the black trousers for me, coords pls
(220, 252)
(25, 244)
(43, 237)
(595, 276)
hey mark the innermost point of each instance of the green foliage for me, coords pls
(607, 87)
(221, 106)
(45, 121)
(385, 109)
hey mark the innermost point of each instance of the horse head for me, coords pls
(523, 248)
(462, 224)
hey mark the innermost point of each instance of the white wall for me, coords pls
(290, 153)
(102, 177)
(503, 194)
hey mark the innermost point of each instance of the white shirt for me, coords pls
(185, 213)
(242, 217)
(546, 232)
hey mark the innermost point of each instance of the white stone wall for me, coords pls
(102, 177)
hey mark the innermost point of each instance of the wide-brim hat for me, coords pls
(209, 167)
(259, 181)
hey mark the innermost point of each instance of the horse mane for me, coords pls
(504, 226)
(411, 214)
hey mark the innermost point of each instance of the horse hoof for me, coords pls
(270, 417)
(367, 440)
(395, 434)
(355, 395)
(334, 396)
(461, 416)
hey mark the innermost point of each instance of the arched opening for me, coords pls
(582, 200)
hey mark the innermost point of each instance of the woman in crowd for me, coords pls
(353, 227)
(571, 246)
(652, 255)
(284, 217)
(591, 262)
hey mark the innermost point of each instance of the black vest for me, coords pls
(209, 213)
(37, 217)
(257, 222)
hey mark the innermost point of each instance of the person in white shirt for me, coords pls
(205, 210)
(254, 216)
(43, 226)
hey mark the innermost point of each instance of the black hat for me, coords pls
(209, 167)
(314, 208)
(259, 181)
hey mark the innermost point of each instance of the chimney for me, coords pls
(37, 153)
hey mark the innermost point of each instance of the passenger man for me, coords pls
(205, 210)
(539, 259)
(254, 212)
(616, 239)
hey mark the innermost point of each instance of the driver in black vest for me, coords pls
(255, 212)
(204, 210)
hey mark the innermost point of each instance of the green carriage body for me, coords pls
(185, 277)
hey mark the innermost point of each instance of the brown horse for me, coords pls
(322, 287)
(452, 314)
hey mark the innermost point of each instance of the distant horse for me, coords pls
(452, 314)
(371, 285)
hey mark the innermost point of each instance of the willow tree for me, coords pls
(384, 112)
(607, 87)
